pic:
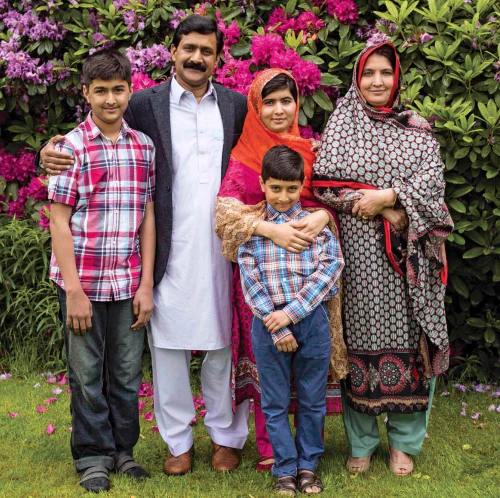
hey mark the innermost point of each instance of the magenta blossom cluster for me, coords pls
(307, 132)
(345, 11)
(235, 75)
(231, 33)
(269, 50)
(141, 81)
(18, 167)
(148, 58)
(280, 22)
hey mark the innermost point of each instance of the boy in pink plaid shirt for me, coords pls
(103, 240)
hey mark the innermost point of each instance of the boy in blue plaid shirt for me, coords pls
(290, 329)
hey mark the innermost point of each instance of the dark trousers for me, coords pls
(105, 371)
(309, 366)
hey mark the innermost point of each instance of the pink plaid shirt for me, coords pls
(108, 187)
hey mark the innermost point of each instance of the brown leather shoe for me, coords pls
(180, 465)
(224, 459)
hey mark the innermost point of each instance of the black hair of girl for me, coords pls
(280, 82)
(388, 53)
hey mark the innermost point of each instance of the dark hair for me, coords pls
(388, 53)
(107, 64)
(282, 163)
(198, 24)
(280, 82)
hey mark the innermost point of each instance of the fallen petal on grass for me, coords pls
(70, 429)
(476, 416)
(57, 390)
(141, 405)
(37, 384)
(63, 380)
(202, 413)
(41, 409)
(491, 408)
(148, 417)
(155, 428)
(5, 376)
(51, 380)
(13, 414)
(50, 429)
(445, 393)
(460, 387)
(50, 400)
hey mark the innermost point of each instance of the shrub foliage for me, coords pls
(450, 53)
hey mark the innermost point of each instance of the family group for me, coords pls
(312, 273)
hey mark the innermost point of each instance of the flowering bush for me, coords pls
(451, 60)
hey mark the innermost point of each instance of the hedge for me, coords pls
(450, 53)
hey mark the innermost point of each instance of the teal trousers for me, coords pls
(405, 432)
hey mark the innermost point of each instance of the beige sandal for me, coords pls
(400, 469)
(360, 466)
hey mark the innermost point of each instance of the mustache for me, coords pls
(192, 65)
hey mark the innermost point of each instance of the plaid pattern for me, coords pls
(272, 276)
(108, 187)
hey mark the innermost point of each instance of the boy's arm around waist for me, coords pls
(321, 284)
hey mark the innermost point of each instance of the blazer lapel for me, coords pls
(226, 108)
(160, 102)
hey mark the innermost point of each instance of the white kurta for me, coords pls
(192, 304)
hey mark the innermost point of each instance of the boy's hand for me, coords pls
(276, 320)
(143, 306)
(288, 344)
(78, 312)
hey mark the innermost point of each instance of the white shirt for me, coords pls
(192, 304)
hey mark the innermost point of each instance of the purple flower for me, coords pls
(445, 393)
(425, 37)
(5, 376)
(491, 408)
(143, 59)
(461, 387)
(464, 409)
(476, 416)
(177, 17)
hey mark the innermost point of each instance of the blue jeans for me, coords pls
(105, 371)
(309, 365)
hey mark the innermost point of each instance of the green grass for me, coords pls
(34, 464)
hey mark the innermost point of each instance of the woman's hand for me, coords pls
(53, 161)
(315, 222)
(315, 144)
(290, 237)
(396, 217)
(373, 202)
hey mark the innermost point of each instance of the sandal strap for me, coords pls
(288, 483)
(94, 473)
(125, 463)
(308, 480)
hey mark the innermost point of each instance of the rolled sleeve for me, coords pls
(63, 188)
(281, 334)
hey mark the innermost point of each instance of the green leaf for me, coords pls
(328, 79)
(473, 253)
(322, 99)
(489, 336)
(477, 322)
(458, 206)
(459, 286)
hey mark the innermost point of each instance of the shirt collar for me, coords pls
(176, 91)
(273, 214)
(93, 131)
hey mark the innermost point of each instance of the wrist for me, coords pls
(73, 289)
(390, 198)
(146, 284)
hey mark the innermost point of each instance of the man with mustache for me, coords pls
(194, 124)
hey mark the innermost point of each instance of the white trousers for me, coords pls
(173, 402)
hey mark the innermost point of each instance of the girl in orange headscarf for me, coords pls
(272, 119)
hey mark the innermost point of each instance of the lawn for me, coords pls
(461, 457)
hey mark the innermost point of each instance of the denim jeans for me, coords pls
(309, 365)
(105, 371)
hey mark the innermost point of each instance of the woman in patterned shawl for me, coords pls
(272, 119)
(374, 155)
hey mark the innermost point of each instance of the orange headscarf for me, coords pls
(256, 139)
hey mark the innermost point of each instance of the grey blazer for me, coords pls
(149, 112)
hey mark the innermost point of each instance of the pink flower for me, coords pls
(68, 390)
(57, 390)
(41, 409)
(63, 380)
(475, 416)
(202, 413)
(148, 417)
(141, 405)
(50, 400)
(51, 380)
(496, 394)
(70, 429)
(308, 132)
(142, 81)
(460, 387)
(18, 167)
(279, 17)
(307, 75)
(344, 10)
(155, 428)
(50, 429)
(13, 414)
(231, 34)
(308, 21)
(193, 421)
(235, 75)
(264, 46)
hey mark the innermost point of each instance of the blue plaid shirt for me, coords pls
(272, 276)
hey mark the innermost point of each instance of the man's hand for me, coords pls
(276, 320)
(78, 312)
(54, 162)
(288, 344)
(143, 306)
(290, 237)
(396, 217)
